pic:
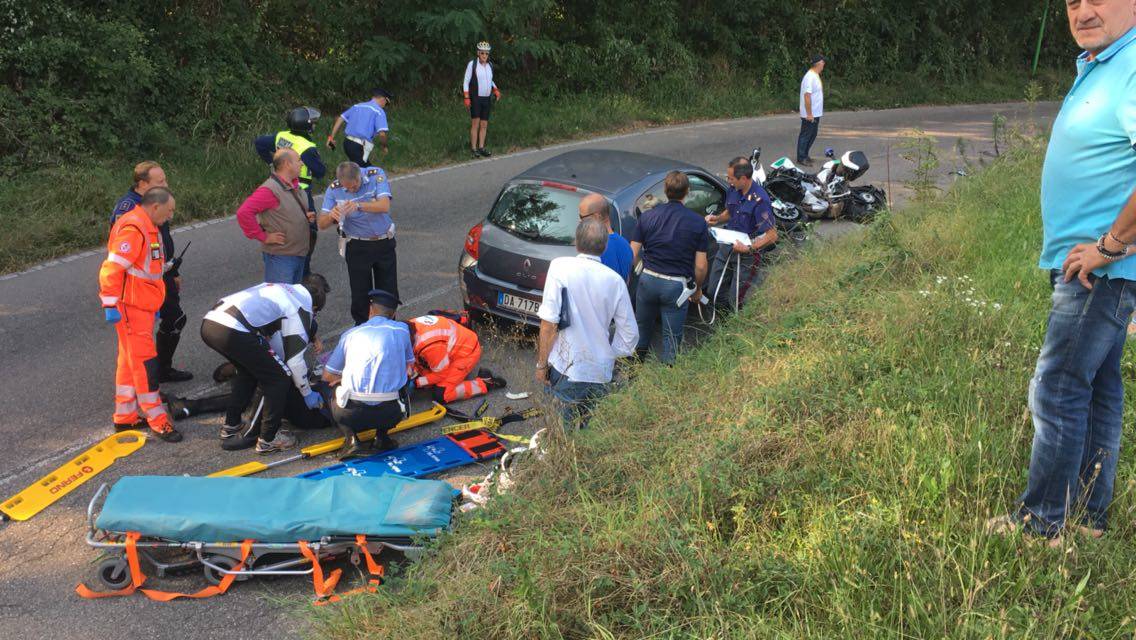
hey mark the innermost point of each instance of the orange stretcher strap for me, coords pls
(373, 568)
(137, 578)
(324, 588)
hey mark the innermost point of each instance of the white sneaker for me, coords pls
(282, 441)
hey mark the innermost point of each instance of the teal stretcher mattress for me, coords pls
(276, 509)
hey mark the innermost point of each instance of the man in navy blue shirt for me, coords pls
(748, 211)
(672, 242)
(617, 256)
(148, 175)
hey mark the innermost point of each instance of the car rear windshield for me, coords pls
(539, 212)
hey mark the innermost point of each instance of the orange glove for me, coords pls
(466, 99)
(496, 93)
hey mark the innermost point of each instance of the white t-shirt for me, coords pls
(811, 84)
(597, 297)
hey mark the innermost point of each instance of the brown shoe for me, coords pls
(1007, 526)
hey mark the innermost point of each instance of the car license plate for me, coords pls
(517, 303)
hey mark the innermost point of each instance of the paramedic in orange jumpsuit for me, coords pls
(446, 353)
(132, 290)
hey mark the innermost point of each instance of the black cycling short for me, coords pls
(479, 107)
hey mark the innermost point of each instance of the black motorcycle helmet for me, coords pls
(302, 120)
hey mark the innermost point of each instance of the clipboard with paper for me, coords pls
(729, 236)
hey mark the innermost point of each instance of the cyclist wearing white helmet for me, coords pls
(479, 80)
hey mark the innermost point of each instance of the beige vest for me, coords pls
(289, 217)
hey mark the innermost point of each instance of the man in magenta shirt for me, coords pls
(277, 215)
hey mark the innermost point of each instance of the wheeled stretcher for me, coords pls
(237, 528)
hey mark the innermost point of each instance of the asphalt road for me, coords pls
(57, 355)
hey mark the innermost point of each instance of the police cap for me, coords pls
(379, 92)
(385, 298)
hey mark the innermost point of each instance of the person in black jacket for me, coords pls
(147, 175)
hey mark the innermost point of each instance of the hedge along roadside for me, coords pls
(142, 78)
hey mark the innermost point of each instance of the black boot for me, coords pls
(382, 444)
(178, 407)
(351, 448)
(138, 425)
(165, 344)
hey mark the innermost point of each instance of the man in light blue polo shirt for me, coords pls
(1088, 211)
(368, 370)
(359, 201)
(364, 121)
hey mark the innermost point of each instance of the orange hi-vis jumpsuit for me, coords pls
(131, 280)
(447, 352)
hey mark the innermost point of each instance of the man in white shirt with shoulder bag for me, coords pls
(582, 300)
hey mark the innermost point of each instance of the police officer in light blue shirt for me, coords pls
(369, 370)
(359, 202)
(364, 121)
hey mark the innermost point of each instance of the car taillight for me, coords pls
(473, 241)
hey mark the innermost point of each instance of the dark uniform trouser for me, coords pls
(354, 152)
(312, 234)
(359, 416)
(256, 367)
(371, 264)
(296, 411)
(722, 287)
(170, 324)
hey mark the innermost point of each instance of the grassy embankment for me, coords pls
(820, 467)
(55, 211)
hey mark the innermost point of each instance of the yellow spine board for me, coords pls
(68, 477)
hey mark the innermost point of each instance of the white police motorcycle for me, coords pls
(829, 193)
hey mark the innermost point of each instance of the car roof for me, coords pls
(604, 171)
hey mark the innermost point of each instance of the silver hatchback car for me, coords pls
(505, 258)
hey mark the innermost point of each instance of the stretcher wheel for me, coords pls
(213, 576)
(114, 573)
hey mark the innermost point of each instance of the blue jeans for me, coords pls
(1076, 397)
(283, 269)
(655, 297)
(807, 136)
(579, 398)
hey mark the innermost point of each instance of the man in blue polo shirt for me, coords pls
(364, 121)
(1088, 213)
(369, 370)
(672, 242)
(359, 201)
(617, 256)
(748, 211)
